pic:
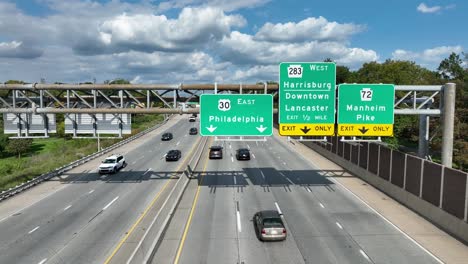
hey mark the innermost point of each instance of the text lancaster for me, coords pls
(236, 119)
(369, 108)
(307, 85)
(306, 108)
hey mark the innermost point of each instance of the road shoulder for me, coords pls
(433, 239)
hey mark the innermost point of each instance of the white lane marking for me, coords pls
(321, 205)
(232, 159)
(253, 155)
(177, 143)
(90, 192)
(147, 171)
(142, 156)
(239, 227)
(388, 221)
(36, 228)
(24, 208)
(364, 254)
(235, 181)
(66, 208)
(133, 163)
(338, 224)
(256, 142)
(287, 178)
(109, 204)
(43, 261)
(278, 208)
(230, 147)
(308, 189)
(248, 146)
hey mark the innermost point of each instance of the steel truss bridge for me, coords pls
(93, 99)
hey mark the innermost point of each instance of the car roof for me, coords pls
(167, 133)
(174, 150)
(216, 147)
(114, 156)
(243, 149)
(193, 128)
(270, 214)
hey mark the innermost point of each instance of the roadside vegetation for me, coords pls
(24, 159)
(21, 160)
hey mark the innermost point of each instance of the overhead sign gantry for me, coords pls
(366, 109)
(307, 98)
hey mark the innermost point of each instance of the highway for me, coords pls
(84, 220)
(325, 222)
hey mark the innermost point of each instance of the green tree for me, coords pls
(451, 68)
(18, 146)
(119, 81)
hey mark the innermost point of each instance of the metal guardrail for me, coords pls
(33, 182)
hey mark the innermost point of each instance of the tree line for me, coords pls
(454, 69)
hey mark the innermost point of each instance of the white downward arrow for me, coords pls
(211, 128)
(261, 128)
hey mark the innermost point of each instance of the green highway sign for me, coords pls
(236, 114)
(365, 109)
(307, 98)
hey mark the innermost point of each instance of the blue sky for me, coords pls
(218, 40)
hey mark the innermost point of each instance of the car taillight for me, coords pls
(284, 230)
(263, 231)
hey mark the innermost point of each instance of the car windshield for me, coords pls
(172, 152)
(216, 148)
(243, 151)
(109, 161)
(272, 222)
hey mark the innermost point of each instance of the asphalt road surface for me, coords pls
(325, 222)
(83, 221)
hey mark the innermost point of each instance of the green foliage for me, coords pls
(117, 81)
(18, 146)
(451, 68)
(14, 82)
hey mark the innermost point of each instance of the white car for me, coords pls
(112, 164)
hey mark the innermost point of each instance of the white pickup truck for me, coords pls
(112, 164)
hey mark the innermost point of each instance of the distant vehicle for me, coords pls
(193, 131)
(216, 152)
(112, 164)
(192, 119)
(166, 136)
(173, 155)
(243, 154)
(269, 226)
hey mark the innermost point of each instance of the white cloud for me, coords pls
(17, 49)
(225, 5)
(245, 49)
(308, 29)
(193, 28)
(428, 57)
(423, 8)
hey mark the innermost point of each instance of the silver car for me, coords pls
(269, 226)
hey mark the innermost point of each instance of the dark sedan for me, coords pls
(269, 226)
(166, 136)
(173, 155)
(216, 152)
(243, 154)
(193, 131)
